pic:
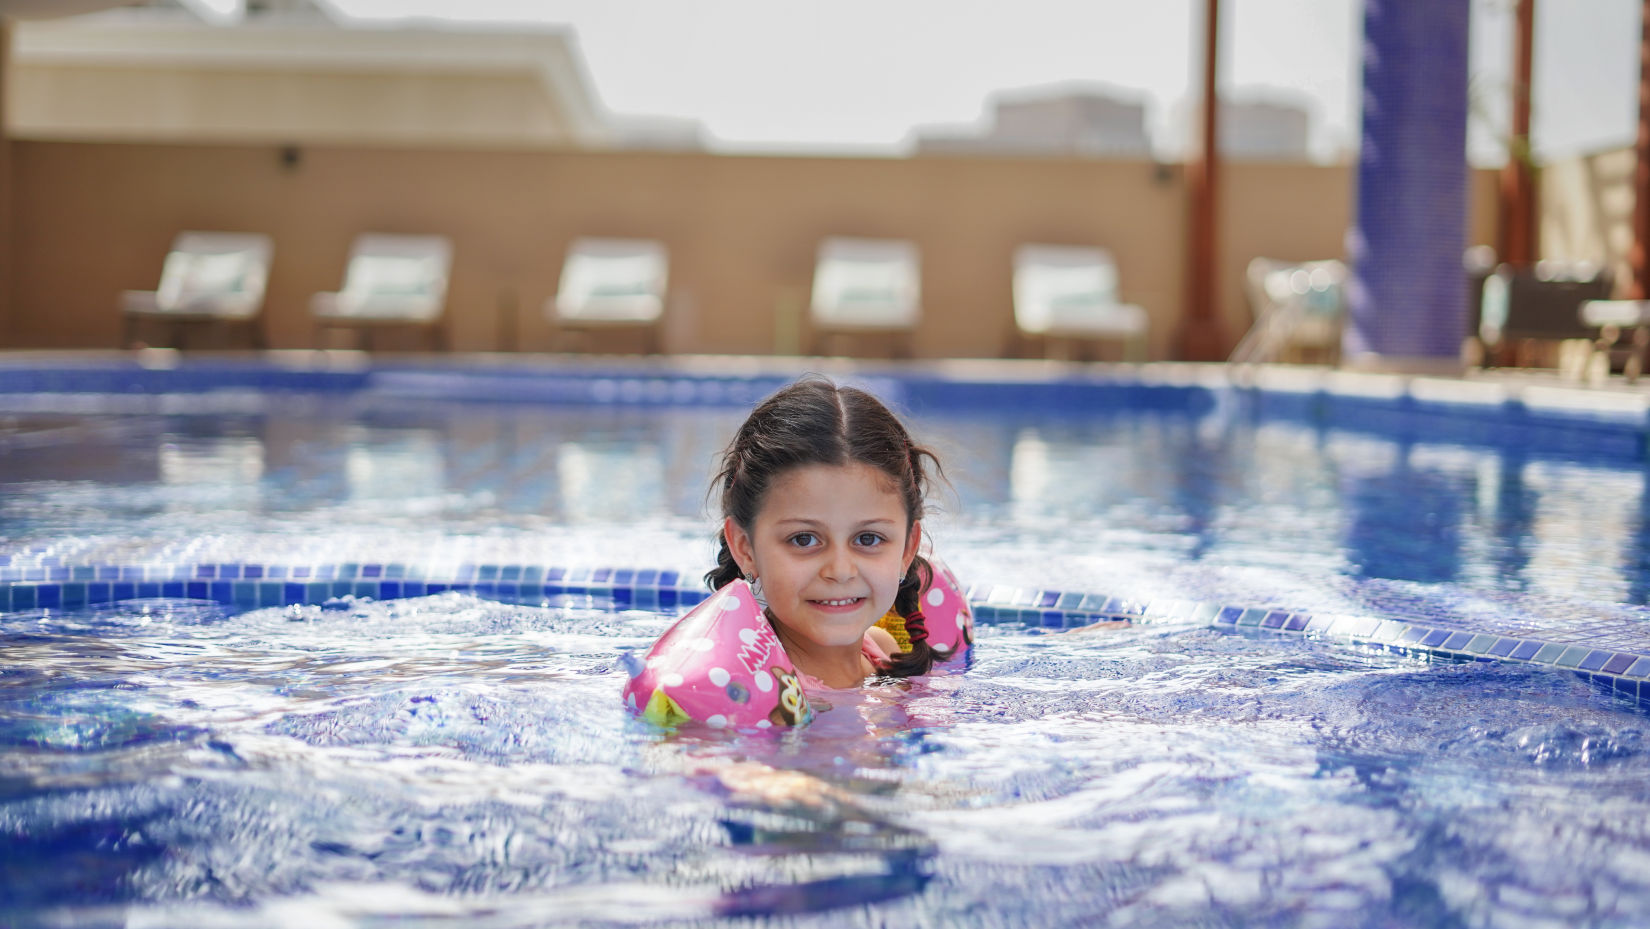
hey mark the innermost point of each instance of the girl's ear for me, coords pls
(912, 542)
(739, 545)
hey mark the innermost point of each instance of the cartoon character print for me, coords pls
(792, 708)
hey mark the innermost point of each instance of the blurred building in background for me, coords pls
(1104, 123)
(1263, 130)
(1058, 121)
(294, 71)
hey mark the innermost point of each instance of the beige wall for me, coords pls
(93, 219)
(1586, 210)
(144, 102)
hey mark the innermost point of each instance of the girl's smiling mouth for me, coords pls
(839, 603)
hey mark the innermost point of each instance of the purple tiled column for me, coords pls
(1407, 297)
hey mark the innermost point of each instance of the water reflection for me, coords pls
(1148, 491)
(1308, 499)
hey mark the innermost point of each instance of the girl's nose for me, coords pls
(840, 565)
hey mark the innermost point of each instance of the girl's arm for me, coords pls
(884, 639)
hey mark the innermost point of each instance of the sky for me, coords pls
(859, 76)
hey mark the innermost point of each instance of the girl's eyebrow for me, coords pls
(805, 521)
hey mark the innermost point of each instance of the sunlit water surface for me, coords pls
(455, 761)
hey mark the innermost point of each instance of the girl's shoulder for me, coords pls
(879, 645)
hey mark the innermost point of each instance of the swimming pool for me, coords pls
(341, 646)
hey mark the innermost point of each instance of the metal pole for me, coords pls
(1202, 334)
(1641, 175)
(6, 204)
(1518, 209)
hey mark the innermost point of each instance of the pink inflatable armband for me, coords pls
(945, 613)
(720, 665)
(945, 609)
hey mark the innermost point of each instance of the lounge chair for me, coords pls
(1612, 319)
(1069, 293)
(208, 279)
(1524, 307)
(866, 287)
(391, 280)
(611, 284)
(1299, 307)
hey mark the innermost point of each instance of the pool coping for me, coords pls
(1544, 413)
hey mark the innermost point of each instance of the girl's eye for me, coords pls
(867, 539)
(804, 539)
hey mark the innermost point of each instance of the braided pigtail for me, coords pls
(919, 658)
(726, 570)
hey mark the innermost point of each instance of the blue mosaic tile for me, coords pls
(1572, 657)
(1479, 644)
(1595, 660)
(1617, 663)
(1456, 641)
(1319, 625)
(1608, 657)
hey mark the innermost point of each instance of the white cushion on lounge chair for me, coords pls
(1071, 291)
(391, 278)
(867, 284)
(1297, 304)
(617, 281)
(208, 275)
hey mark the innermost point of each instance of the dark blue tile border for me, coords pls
(1622, 665)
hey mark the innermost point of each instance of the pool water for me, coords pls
(451, 760)
(454, 761)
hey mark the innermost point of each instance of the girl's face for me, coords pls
(830, 546)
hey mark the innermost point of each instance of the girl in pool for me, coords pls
(822, 498)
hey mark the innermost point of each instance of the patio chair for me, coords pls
(1524, 307)
(391, 281)
(610, 284)
(1298, 307)
(1612, 319)
(209, 279)
(866, 287)
(1069, 293)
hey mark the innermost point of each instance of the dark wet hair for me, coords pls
(815, 422)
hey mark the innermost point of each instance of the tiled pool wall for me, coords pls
(38, 582)
(1540, 418)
